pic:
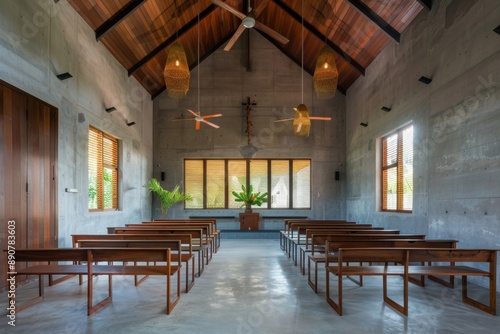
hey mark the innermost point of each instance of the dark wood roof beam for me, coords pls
(195, 63)
(427, 4)
(117, 18)
(319, 35)
(376, 19)
(171, 39)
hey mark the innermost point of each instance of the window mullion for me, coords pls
(400, 171)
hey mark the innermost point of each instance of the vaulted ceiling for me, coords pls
(138, 33)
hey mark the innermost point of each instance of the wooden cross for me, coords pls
(248, 104)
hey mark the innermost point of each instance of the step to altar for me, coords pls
(250, 234)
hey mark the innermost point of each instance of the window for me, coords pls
(210, 182)
(103, 171)
(397, 171)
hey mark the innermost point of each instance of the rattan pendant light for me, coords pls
(176, 72)
(301, 121)
(326, 75)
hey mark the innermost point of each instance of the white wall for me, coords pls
(40, 39)
(456, 124)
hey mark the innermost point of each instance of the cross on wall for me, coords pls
(249, 105)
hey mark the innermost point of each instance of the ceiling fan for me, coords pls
(249, 21)
(199, 119)
(197, 116)
(302, 121)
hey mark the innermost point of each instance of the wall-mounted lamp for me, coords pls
(425, 80)
(386, 109)
(64, 76)
(110, 109)
(497, 30)
(130, 123)
(363, 124)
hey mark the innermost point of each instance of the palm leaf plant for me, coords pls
(167, 198)
(249, 198)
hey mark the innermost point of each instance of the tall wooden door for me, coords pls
(28, 187)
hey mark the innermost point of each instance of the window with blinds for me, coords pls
(210, 182)
(103, 171)
(397, 171)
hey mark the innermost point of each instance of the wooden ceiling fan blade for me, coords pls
(273, 33)
(263, 4)
(318, 118)
(284, 120)
(211, 124)
(211, 115)
(197, 127)
(235, 37)
(230, 9)
(192, 112)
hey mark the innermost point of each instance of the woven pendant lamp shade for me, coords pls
(301, 122)
(176, 72)
(326, 75)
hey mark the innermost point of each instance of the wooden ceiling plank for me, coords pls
(117, 18)
(319, 35)
(171, 39)
(376, 19)
(427, 4)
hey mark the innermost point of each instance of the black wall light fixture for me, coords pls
(110, 109)
(130, 123)
(337, 175)
(386, 109)
(497, 30)
(64, 76)
(363, 124)
(425, 80)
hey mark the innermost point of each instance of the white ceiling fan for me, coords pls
(249, 21)
(200, 119)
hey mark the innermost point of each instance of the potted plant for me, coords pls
(167, 198)
(249, 198)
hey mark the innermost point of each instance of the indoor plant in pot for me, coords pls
(167, 198)
(249, 198)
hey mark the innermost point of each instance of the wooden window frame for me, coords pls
(399, 172)
(227, 194)
(101, 165)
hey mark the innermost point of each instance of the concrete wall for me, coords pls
(274, 82)
(40, 39)
(456, 122)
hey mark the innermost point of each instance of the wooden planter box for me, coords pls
(249, 221)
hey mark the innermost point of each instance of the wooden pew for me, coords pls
(212, 228)
(215, 231)
(338, 229)
(407, 256)
(387, 241)
(89, 262)
(287, 222)
(197, 238)
(185, 257)
(292, 238)
(208, 239)
(321, 236)
(186, 242)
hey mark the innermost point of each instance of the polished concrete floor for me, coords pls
(251, 287)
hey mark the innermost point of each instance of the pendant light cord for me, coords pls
(198, 55)
(302, 31)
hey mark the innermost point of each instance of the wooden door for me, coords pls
(28, 157)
